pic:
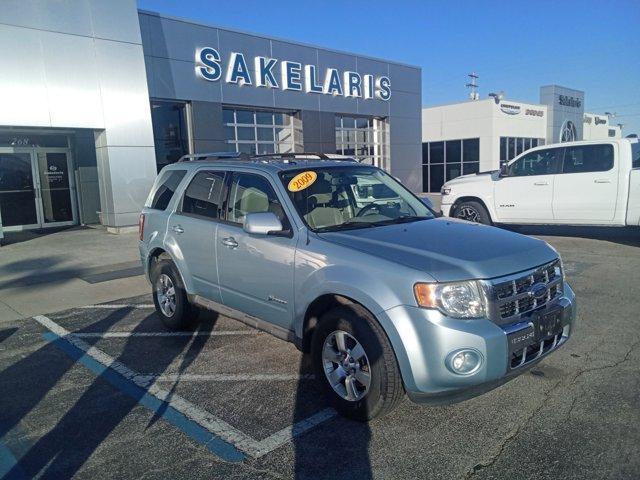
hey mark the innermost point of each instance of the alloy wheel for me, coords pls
(346, 366)
(166, 295)
(468, 213)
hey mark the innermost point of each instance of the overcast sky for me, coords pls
(514, 46)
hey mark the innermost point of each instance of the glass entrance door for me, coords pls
(36, 188)
(18, 206)
(55, 188)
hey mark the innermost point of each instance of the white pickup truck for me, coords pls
(575, 183)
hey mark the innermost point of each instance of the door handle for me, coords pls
(177, 229)
(230, 242)
(541, 183)
(601, 180)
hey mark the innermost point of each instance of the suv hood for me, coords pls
(449, 249)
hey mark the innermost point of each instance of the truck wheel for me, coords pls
(170, 298)
(355, 363)
(473, 212)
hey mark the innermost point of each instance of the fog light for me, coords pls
(464, 362)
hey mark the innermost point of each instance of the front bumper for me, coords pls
(424, 339)
(445, 208)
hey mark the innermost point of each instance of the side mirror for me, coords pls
(503, 170)
(263, 223)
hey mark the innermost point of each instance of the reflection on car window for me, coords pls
(202, 196)
(252, 194)
(588, 158)
(542, 162)
(354, 197)
(166, 188)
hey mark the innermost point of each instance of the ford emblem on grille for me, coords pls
(538, 290)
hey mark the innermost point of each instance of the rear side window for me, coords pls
(203, 195)
(635, 155)
(588, 158)
(166, 188)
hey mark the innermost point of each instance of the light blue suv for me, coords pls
(342, 260)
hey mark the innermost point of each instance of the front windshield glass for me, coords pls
(343, 198)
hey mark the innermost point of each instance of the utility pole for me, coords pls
(473, 94)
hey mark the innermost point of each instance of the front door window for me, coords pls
(541, 162)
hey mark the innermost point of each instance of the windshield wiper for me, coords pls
(346, 226)
(401, 219)
(353, 225)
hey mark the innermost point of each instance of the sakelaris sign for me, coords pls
(287, 75)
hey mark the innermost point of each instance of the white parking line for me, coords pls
(115, 306)
(216, 426)
(226, 377)
(287, 434)
(214, 333)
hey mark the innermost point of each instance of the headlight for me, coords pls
(445, 190)
(458, 300)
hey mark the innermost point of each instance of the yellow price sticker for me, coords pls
(302, 181)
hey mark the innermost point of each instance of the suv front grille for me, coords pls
(511, 297)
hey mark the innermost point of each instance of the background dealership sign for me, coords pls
(510, 109)
(569, 101)
(287, 75)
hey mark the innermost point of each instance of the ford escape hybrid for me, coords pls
(343, 261)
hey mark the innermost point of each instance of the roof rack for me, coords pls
(289, 157)
(306, 156)
(214, 155)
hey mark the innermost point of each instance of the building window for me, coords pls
(261, 131)
(363, 138)
(443, 161)
(511, 147)
(612, 132)
(170, 131)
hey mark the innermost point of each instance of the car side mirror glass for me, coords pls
(263, 223)
(503, 170)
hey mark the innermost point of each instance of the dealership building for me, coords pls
(477, 135)
(96, 97)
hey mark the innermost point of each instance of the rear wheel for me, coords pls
(355, 363)
(472, 212)
(170, 298)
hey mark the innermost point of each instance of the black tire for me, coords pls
(473, 212)
(184, 315)
(385, 389)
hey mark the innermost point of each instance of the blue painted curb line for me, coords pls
(9, 467)
(214, 444)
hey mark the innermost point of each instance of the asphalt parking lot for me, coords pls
(106, 392)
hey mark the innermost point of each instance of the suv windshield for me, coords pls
(343, 198)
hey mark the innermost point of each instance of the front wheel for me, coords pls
(355, 363)
(472, 212)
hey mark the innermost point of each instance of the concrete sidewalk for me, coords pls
(67, 268)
